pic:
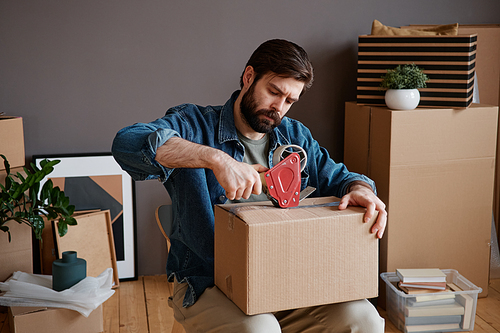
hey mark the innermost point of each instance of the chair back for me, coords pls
(164, 220)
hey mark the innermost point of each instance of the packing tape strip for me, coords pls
(241, 208)
(283, 151)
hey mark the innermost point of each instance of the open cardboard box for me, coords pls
(54, 320)
(270, 259)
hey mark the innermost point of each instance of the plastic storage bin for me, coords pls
(453, 311)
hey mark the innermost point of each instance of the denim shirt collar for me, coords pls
(227, 127)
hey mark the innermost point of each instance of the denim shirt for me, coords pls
(194, 192)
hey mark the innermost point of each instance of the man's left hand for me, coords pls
(360, 195)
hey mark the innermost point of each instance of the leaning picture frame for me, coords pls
(97, 182)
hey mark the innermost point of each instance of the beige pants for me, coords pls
(214, 312)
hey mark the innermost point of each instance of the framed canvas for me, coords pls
(96, 181)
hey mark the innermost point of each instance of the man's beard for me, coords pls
(248, 109)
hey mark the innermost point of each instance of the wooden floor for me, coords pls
(142, 306)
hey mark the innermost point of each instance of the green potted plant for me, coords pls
(23, 200)
(402, 84)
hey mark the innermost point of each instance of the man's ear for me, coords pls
(248, 77)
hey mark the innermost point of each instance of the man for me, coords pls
(209, 155)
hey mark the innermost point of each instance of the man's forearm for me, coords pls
(238, 179)
(180, 153)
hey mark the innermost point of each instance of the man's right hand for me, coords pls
(237, 178)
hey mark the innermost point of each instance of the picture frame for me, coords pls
(96, 181)
(92, 239)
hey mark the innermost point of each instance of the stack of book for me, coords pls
(436, 305)
(421, 281)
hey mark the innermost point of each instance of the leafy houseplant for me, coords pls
(403, 82)
(408, 76)
(22, 200)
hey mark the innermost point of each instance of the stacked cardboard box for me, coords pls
(12, 139)
(434, 168)
(17, 254)
(488, 81)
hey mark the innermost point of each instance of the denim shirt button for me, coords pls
(222, 198)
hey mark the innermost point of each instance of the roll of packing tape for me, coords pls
(283, 151)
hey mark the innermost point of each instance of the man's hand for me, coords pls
(361, 195)
(239, 179)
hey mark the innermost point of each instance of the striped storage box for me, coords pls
(448, 61)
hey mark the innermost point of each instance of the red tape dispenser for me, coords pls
(283, 182)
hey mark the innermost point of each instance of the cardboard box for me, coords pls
(488, 77)
(12, 139)
(13, 172)
(434, 169)
(270, 259)
(449, 61)
(17, 254)
(54, 320)
(488, 80)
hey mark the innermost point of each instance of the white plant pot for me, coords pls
(402, 99)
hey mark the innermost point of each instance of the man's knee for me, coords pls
(261, 323)
(367, 317)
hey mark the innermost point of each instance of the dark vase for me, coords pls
(68, 271)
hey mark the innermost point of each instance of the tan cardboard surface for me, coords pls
(269, 259)
(12, 139)
(488, 77)
(434, 168)
(53, 320)
(92, 239)
(13, 172)
(16, 255)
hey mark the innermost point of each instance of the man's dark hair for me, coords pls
(283, 58)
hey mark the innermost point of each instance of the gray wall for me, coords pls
(79, 70)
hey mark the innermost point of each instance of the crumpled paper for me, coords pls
(24, 289)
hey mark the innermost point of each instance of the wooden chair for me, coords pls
(163, 216)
